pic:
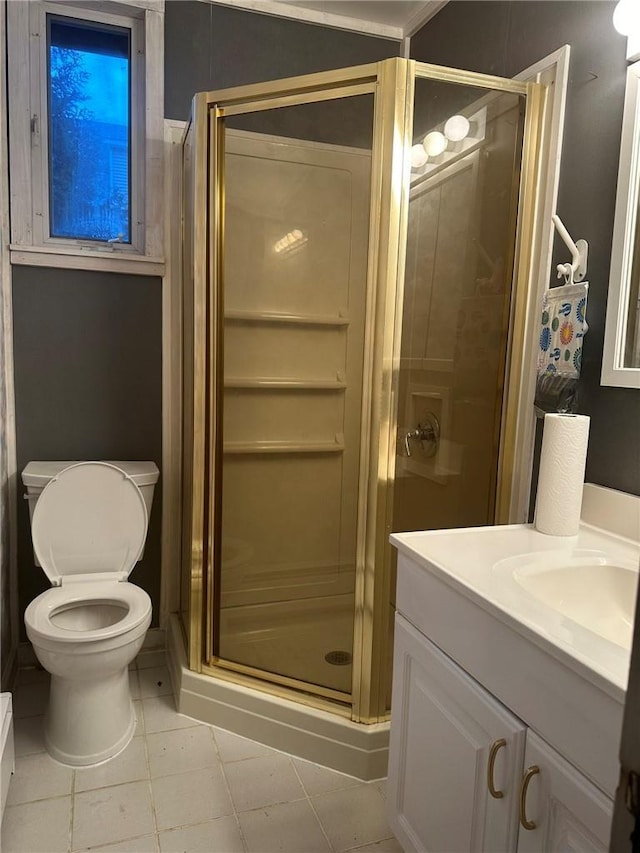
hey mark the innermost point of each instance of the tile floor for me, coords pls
(181, 785)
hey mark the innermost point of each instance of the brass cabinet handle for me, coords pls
(497, 745)
(528, 776)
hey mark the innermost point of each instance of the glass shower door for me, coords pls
(296, 216)
(458, 279)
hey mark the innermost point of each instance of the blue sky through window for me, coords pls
(89, 139)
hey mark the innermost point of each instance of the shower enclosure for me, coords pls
(353, 310)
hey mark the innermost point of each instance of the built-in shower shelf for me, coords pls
(260, 447)
(284, 318)
(268, 383)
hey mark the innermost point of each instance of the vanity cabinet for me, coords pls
(459, 758)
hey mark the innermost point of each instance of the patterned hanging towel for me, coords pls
(563, 328)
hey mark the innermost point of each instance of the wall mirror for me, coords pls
(621, 359)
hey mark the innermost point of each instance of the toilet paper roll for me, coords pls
(561, 477)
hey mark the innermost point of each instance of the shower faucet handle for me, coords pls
(426, 432)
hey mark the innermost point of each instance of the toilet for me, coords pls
(88, 526)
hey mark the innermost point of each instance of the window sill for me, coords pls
(86, 259)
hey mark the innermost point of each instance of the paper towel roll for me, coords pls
(561, 477)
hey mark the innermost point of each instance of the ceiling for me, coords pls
(395, 19)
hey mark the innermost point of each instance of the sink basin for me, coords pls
(586, 587)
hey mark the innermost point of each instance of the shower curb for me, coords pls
(300, 730)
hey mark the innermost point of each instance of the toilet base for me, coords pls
(89, 721)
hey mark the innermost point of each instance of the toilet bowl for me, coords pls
(89, 527)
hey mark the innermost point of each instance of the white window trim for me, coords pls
(30, 240)
(40, 145)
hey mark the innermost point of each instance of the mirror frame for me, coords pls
(626, 231)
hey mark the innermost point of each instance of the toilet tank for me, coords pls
(36, 475)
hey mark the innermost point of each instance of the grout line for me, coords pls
(41, 800)
(253, 757)
(228, 787)
(149, 783)
(195, 725)
(272, 805)
(369, 844)
(320, 824)
(302, 785)
(311, 806)
(112, 843)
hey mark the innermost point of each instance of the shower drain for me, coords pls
(338, 658)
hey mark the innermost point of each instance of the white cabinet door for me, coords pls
(570, 814)
(443, 727)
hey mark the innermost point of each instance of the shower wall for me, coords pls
(7, 613)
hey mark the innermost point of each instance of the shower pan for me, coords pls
(353, 303)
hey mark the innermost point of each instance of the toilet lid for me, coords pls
(90, 518)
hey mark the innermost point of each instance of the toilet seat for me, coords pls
(91, 519)
(89, 527)
(39, 613)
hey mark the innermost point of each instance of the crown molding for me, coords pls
(279, 9)
(312, 16)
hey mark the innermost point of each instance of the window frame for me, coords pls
(31, 239)
(136, 127)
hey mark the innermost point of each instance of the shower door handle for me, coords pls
(426, 432)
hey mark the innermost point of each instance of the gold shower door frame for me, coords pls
(392, 84)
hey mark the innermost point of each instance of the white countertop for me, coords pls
(466, 560)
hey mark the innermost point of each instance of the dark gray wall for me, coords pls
(88, 385)
(211, 47)
(7, 595)
(504, 38)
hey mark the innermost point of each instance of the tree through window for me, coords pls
(89, 94)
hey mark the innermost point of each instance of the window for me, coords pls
(89, 84)
(86, 134)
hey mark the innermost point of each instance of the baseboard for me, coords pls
(300, 730)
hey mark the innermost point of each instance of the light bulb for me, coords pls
(418, 156)
(626, 17)
(456, 128)
(434, 143)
